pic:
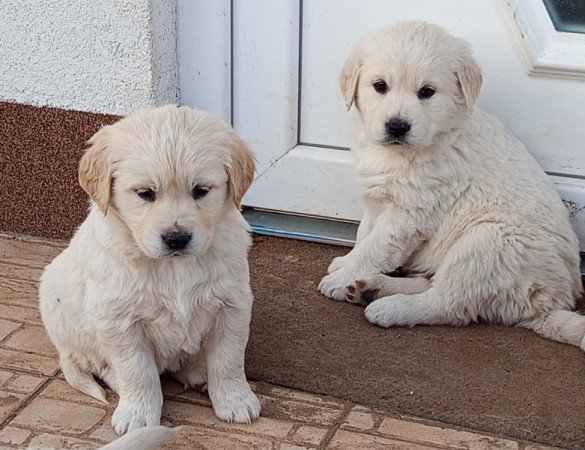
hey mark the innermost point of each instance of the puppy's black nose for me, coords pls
(176, 240)
(397, 128)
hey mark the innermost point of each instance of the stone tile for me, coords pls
(435, 435)
(9, 401)
(204, 416)
(32, 338)
(18, 292)
(33, 254)
(7, 327)
(59, 416)
(174, 389)
(349, 440)
(59, 389)
(25, 361)
(5, 376)
(25, 384)
(540, 447)
(193, 437)
(358, 420)
(279, 408)
(50, 441)
(309, 435)
(22, 273)
(104, 433)
(20, 314)
(287, 446)
(13, 436)
(305, 397)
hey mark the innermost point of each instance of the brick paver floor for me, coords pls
(39, 409)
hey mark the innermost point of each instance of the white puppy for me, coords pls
(156, 278)
(450, 194)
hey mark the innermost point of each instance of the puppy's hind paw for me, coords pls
(192, 378)
(361, 293)
(237, 406)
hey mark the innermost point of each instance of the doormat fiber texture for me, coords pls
(501, 380)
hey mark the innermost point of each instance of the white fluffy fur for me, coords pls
(460, 201)
(119, 305)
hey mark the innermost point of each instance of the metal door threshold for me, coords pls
(300, 227)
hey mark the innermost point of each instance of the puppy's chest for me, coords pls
(411, 193)
(180, 324)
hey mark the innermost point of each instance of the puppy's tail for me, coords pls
(559, 325)
(143, 438)
(80, 379)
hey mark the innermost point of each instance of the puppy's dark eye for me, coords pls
(200, 192)
(380, 86)
(146, 194)
(425, 92)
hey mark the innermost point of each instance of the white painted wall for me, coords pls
(107, 56)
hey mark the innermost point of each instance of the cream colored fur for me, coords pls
(120, 305)
(459, 201)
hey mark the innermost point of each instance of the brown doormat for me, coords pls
(502, 380)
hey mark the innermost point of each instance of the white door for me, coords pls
(271, 68)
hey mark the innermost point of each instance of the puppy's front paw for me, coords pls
(361, 292)
(333, 286)
(240, 406)
(131, 414)
(336, 264)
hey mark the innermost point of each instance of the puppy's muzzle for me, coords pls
(396, 131)
(176, 240)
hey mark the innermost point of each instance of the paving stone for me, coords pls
(434, 435)
(25, 383)
(61, 390)
(305, 397)
(22, 273)
(201, 415)
(13, 436)
(193, 437)
(105, 433)
(299, 411)
(18, 292)
(51, 441)
(175, 389)
(9, 402)
(13, 359)
(32, 338)
(287, 446)
(20, 314)
(540, 447)
(33, 254)
(350, 440)
(57, 415)
(7, 327)
(358, 420)
(5, 376)
(306, 434)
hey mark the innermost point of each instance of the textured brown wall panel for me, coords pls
(39, 152)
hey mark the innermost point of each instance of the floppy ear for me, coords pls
(240, 169)
(95, 170)
(349, 77)
(470, 79)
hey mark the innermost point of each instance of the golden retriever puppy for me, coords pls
(156, 278)
(449, 194)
